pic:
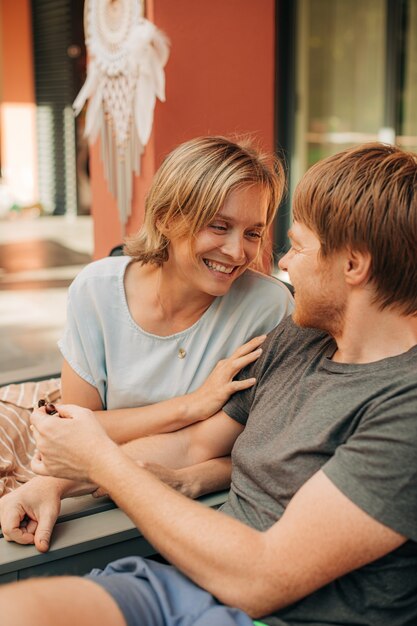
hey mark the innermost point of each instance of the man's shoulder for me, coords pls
(289, 348)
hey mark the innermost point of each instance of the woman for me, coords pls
(151, 325)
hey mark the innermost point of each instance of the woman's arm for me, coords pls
(75, 390)
(196, 480)
(123, 425)
(192, 481)
(39, 498)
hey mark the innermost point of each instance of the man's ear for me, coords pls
(357, 267)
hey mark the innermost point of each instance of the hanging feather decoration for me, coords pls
(127, 55)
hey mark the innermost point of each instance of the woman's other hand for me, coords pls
(220, 385)
(192, 481)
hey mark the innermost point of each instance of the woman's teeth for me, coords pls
(218, 267)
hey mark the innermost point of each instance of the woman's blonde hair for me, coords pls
(191, 186)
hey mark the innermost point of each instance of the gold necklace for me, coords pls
(182, 352)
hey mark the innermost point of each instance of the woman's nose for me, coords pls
(234, 248)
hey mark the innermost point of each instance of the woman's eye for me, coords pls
(254, 235)
(219, 227)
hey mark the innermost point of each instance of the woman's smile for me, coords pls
(223, 249)
(218, 267)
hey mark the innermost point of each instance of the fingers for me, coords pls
(43, 532)
(154, 468)
(246, 354)
(39, 420)
(36, 417)
(240, 385)
(249, 346)
(37, 465)
(29, 513)
(13, 529)
(245, 360)
(164, 474)
(69, 410)
(19, 535)
(31, 526)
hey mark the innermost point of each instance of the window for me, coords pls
(354, 80)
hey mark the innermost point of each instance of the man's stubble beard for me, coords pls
(322, 314)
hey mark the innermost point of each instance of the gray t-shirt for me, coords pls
(358, 423)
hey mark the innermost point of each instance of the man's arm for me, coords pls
(123, 425)
(321, 536)
(39, 499)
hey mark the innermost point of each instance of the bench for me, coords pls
(89, 533)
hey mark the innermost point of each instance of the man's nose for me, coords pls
(282, 263)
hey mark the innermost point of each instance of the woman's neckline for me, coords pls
(138, 327)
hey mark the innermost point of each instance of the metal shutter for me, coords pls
(57, 25)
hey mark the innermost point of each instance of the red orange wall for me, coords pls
(16, 51)
(220, 80)
(17, 106)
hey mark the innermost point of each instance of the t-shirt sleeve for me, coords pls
(239, 405)
(82, 342)
(377, 467)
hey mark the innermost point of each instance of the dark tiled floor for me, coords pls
(37, 254)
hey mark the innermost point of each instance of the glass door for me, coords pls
(354, 80)
(407, 132)
(340, 81)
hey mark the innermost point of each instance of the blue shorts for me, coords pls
(151, 594)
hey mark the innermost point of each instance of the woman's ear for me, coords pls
(357, 267)
(164, 229)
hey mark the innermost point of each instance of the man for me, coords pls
(321, 522)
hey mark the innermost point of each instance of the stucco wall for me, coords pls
(220, 80)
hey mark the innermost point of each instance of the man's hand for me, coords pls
(28, 514)
(68, 443)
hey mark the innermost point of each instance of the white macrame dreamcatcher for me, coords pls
(127, 54)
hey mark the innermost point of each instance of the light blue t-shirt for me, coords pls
(131, 367)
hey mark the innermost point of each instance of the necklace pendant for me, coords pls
(182, 353)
